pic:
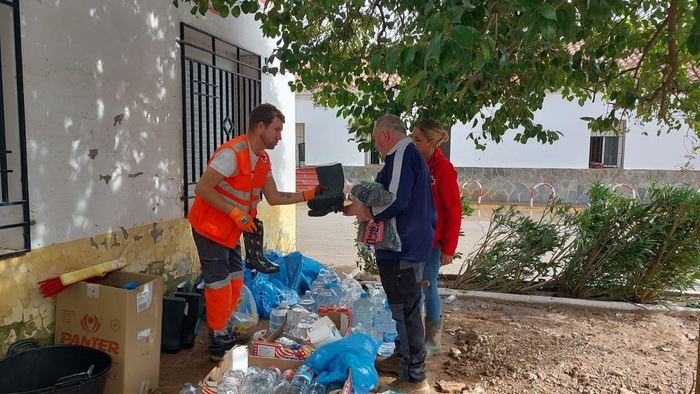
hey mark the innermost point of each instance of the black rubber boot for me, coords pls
(190, 324)
(220, 343)
(173, 317)
(254, 257)
(332, 197)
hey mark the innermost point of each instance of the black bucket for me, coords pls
(32, 368)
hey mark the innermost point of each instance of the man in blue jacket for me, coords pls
(406, 175)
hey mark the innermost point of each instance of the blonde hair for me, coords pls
(433, 131)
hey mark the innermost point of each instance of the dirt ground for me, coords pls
(512, 348)
(496, 347)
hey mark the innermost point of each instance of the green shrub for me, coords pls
(619, 248)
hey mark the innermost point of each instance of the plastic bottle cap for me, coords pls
(284, 304)
(364, 294)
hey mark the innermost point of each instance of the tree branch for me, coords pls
(647, 46)
(672, 56)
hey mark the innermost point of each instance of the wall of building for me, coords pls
(514, 185)
(327, 136)
(104, 140)
(666, 151)
(643, 148)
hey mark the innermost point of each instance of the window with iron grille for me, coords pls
(607, 150)
(221, 84)
(300, 144)
(373, 157)
(14, 191)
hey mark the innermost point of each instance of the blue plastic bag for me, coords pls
(296, 274)
(296, 270)
(356, 353)
(269, 292)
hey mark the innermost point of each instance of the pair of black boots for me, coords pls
(181, 318)
(332, 198)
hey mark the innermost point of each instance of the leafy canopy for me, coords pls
(489, 62)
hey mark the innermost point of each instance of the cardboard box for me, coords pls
(266, 348)
(126, 324)
(236, 357)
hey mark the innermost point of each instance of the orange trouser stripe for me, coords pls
(236, 290)
(218, 304)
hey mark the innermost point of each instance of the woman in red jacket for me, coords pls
(427, 136)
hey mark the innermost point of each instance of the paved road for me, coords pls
(330, 239)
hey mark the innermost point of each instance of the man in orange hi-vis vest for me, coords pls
(225, 206)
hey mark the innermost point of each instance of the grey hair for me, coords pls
(391, 122)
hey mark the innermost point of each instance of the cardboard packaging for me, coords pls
(240, 358)
(126, 324)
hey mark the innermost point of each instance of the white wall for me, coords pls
(668, 151)
(570, 151)
(664, 152)
(86, 62)
(326, 135)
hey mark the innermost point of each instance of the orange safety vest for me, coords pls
(243, 191)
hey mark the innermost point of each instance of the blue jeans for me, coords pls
(433, 305)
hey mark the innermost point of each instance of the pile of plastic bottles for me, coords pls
(257, 381)
(370, 311)
(372, 316)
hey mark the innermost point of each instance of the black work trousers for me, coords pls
(401, 281)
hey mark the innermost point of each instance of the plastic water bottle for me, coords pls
(450, 299)
(278, 315)
(234, 379)
(385, 328)
(378, 297)
(302, 380)
(260, 382)
(227, 388)
(316, 388)
(332, 276)
(363, 313)
(385, 325)
(307, 301)
(351, 290)
(326, 296)
(336, 286)
(319, 282)
(187, 388)
(360, 329)
(282, 385)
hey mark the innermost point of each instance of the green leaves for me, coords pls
(548, 12)
(392, 56)
(452, 59)
(598, 9)
(433, 50)
(566, 19)
(693, 41)
(465, 35)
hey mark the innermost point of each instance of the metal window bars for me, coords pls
(221, 84)
(14, 189)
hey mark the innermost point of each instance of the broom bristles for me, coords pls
(50, 287)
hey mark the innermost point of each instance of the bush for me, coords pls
(619, 248)
(517, 250)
